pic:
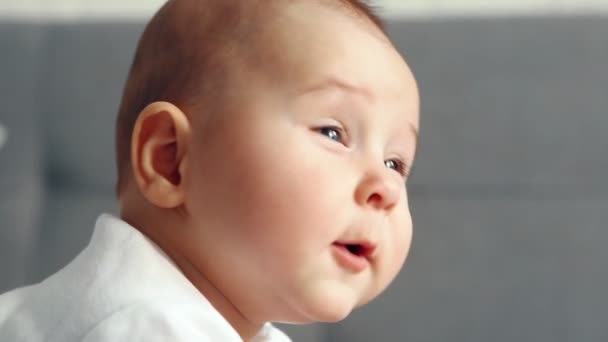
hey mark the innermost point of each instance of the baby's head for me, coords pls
(264, 146)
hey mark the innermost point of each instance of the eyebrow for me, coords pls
(414, 132)
(334, 82)
(340, 84)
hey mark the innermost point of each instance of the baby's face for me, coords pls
(297, 201)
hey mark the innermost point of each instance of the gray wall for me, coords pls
(508, 194)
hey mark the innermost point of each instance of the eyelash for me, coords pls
(400, 165)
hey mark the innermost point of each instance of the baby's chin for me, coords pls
(327, 312)
(330, 303)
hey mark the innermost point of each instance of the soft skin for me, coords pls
(249, 204)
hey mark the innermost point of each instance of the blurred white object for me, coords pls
(3, 135)
(66, 10)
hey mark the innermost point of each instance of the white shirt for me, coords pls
(121, 287)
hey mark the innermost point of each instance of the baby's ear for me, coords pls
(160, 138)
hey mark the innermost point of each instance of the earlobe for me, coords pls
(158, 153)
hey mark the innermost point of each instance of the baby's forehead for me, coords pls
(237, 42)
(319, 41)
(302, 37)
(261, 21)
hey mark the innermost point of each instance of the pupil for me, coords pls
(390, 164)
(331, 133)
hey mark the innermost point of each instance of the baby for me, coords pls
(263, 148)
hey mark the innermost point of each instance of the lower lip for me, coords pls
(348, 260)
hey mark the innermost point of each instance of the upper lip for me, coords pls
(364, 248)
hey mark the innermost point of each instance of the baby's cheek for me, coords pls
(403, 242)
(391, 263)
(400, 255)
(399, 249)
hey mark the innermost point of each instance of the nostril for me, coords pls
(376, 201)
(374, 198)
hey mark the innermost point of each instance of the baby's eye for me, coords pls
(396, 165)
(333, 133)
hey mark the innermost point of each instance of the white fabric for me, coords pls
(122, 287)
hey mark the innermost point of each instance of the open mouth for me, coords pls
(353, 256)
(355, 249)
(364, 250)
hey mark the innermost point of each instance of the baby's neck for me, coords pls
(170, 244)
(244, 327)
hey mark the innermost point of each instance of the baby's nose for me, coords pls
(378, 190)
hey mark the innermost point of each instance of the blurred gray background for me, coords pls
(509, 194)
